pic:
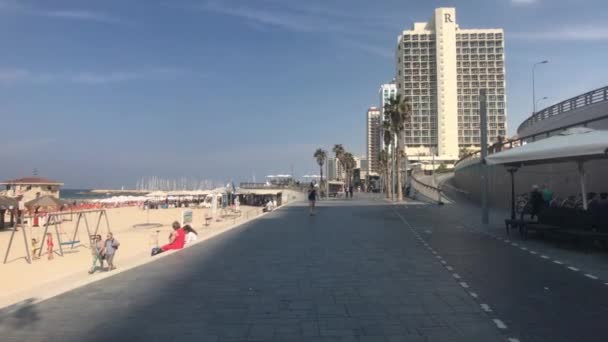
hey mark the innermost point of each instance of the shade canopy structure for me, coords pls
(45, 202)
(8, 201)
(578, 144)
(157, 194)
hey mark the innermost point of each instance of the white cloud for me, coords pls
(568, 33)
(523, 2)
(20, 75)
(350, 30)
(17, 7)
(369, 48)
(80, 15)
(13, 76)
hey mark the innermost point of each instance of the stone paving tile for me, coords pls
(354, 272)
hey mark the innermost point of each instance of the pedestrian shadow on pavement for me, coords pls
(19, 315)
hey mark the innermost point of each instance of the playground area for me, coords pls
(72, 255)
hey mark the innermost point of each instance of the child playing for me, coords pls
(49, 245)
(34, 249)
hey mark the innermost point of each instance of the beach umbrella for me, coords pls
(8, 201)
(46, 202)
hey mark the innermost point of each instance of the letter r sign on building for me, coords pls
(448, 18)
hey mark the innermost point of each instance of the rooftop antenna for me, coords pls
(35, 172)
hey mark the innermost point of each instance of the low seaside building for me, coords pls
(29, 188)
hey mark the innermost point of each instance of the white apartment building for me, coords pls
(336, 172)
(374, 144)
(387, 91)
(440, 70)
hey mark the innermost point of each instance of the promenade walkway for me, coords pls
(355, 272)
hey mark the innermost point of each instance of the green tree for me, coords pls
(321, 156)
(388, 142)
(383, 161)
(397, 113)
(349, 166)
(442, 168)
(339, 152)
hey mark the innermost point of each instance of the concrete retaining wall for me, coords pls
(562, 178)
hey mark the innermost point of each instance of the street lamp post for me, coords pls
(534, 86)
(538, 101)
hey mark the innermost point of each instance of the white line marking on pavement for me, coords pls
(544, 256)
(512, 339)
(533, 252)
(507, 241)
(463, 284)
(514, 244)
(456, 275)
(450, 268)
(573, 268)
(485, 307)
(473, 294)
(444, 262)
(499, 323)
(558, 262)
(590, 276)
(524, 249)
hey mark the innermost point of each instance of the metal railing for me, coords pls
(435, 192)
(580, 101)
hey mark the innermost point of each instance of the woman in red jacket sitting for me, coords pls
(177, 239)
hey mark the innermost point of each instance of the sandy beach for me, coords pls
(21, 280)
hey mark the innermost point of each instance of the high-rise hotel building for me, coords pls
(440, 70)
(374, 127)
(387, 91)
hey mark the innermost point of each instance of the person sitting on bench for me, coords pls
(536, 202)
(177, 239)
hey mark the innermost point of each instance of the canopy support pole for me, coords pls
(512, 171)
(581, 172)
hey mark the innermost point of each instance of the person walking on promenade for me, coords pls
(312, 198)
(350, 190)
(96, 248)
(109, 250)
(49, 245)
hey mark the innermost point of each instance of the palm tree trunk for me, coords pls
(321, 188)
(389, 175)
(398, 160)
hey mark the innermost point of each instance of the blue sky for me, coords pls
(99, 93)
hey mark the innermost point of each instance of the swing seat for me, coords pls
(70, 242)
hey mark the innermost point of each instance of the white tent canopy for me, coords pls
(157, 194)
(578, 143)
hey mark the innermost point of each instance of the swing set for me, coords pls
(54, 220)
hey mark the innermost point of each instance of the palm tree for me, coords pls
(397, 112)
(321, 156)
(388, 141)
(349, 165)
(383, 163)
(339, 152)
